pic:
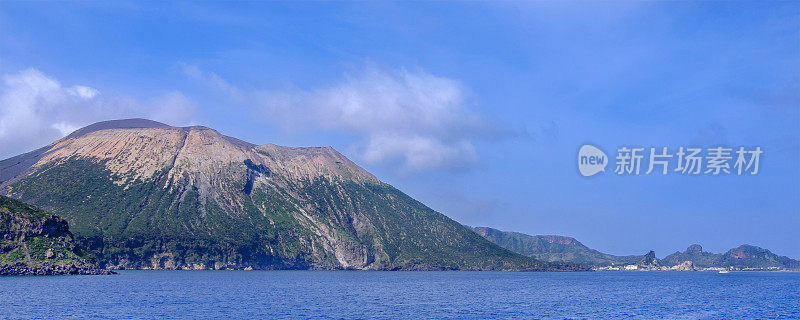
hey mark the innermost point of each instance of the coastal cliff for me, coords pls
(35, 242)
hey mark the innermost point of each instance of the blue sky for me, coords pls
(475, 109)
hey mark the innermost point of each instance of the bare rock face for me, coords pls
(684, 266)
(140, 153)
(142, 194)
(693, 249)
(649, 261)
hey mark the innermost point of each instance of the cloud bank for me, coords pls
(36, 109)
(413, 119)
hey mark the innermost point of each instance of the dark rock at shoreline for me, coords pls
(49, 269)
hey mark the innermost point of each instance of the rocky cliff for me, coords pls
(33, 241)
(649, 261)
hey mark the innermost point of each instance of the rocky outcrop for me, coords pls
(649, 261)
(684, 266)
(693, 253)
(35, 242)
(20, 229)
(694, 249)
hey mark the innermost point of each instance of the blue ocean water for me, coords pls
(403, 295)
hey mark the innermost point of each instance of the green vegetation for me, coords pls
(20, 210)
(566, 249)
(33, 236)
(553, 248)
(695, 254)
(168, 222)
(744, 256)
(16, 255)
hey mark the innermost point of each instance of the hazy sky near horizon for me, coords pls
(476, 109)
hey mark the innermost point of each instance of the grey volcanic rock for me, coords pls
(49, 269)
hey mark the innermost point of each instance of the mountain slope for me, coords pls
(568, 250)
(553, 248)
(145, 195)
(33, 241)
(748, 256)
(695, 254)
(744, 256)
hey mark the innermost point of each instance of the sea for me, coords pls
(139, 294)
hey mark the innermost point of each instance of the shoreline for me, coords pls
(50, 269)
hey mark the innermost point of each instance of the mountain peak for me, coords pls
(117, 124)
(747, 251)
(649, 260)
(695, 248)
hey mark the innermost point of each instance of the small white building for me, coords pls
(631, 267)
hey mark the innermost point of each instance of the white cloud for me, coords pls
(64, 128)
(209, 79)
(83, 92)
(173, 108)
(36, 109)
(416, 120)
(413, 118)
(418, 152)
